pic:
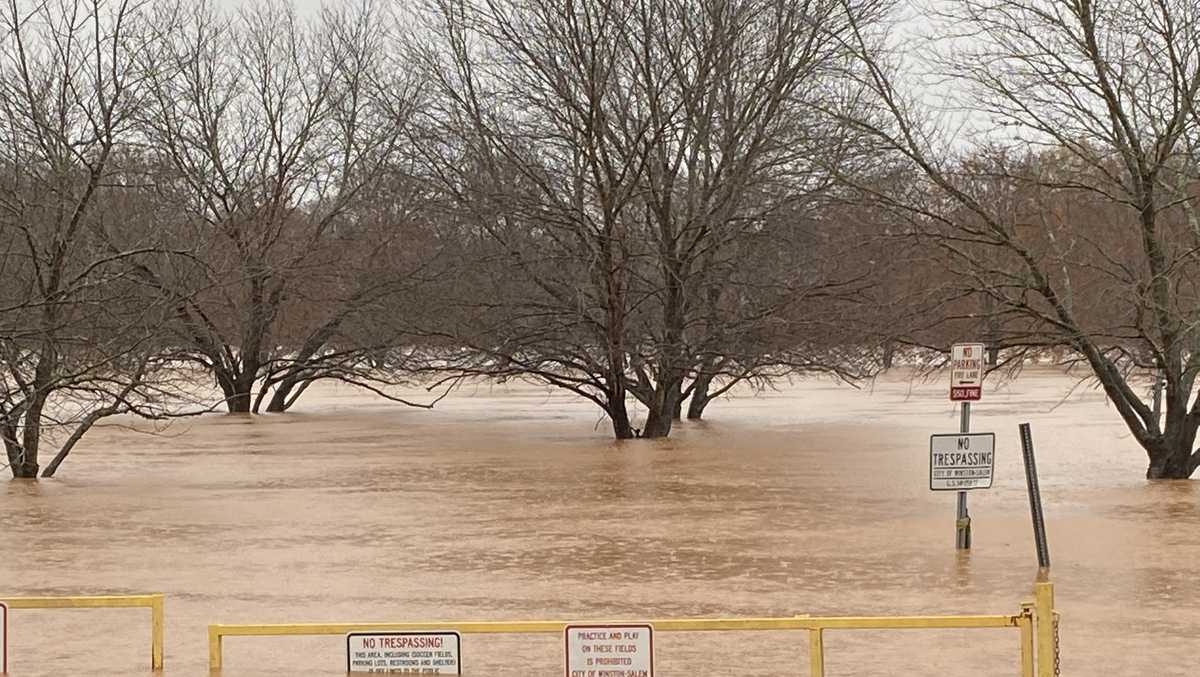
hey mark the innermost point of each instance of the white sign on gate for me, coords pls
(3, 637)
(610, 650)
(966, 371)
(426, 653)
(961, 462)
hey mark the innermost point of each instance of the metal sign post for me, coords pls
(966, 384)
(962, 463)
(962, 523)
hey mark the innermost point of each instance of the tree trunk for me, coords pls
(1171, 465)
(700, 397)
(991, 331)
(1171, 453)
(19, 464)
(889, 356)
(619, 415)
(666, 400)
(26, 469)
(288, 392)
(239, 403)
(279, 399)
(241, 399)
(282, 399)
(1156, 411)
(658, 423)
(1172, 457)
(229, 384)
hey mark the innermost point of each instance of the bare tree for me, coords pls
(614, 159)
(1092, 111)
(274, 132)
(77, 343)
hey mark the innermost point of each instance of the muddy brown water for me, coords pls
(511, 502)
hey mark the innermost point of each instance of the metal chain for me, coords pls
(1057, 648)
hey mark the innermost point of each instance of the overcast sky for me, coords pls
(308, 5)
(914, 25)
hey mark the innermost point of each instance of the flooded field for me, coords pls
(511, 502)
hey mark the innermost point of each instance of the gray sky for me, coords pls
(305, 5)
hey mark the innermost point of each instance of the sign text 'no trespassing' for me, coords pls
(961, 462)
(425, 653)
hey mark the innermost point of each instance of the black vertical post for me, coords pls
(1035, 498)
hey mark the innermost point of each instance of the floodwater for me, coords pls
(511, 502)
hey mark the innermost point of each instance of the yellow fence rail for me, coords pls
(1030, 634)
(153, 602)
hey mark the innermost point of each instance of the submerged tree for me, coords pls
(274, 136)
(616, 166)
(1095, 127)
(78, 341)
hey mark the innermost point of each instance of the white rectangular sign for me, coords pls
(961, 462)
(610, 650)
(424, 653)
(966, 371)
(3, 637)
